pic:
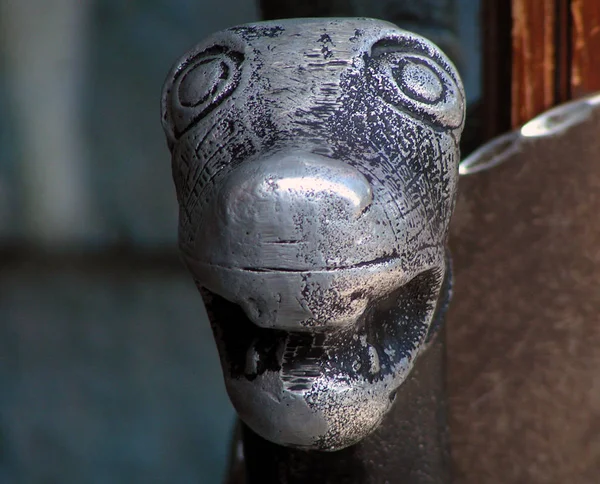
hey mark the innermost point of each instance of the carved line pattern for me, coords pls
(190, 106)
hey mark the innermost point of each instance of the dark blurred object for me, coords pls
(523, 329)
(435, 19)
(496, 69)
(523, 333)
(279, 9)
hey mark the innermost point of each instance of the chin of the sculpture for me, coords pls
(338, 415)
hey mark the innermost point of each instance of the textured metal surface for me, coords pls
(316, 164)
(410, 445)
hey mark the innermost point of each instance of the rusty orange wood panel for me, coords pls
(585, 54)
(534, 58)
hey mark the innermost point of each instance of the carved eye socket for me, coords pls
(200, 84)
(205, 80)
(418, 80)
(417, 83)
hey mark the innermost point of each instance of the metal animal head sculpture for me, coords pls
(316, 163)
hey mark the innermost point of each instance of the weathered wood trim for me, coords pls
(585, 66)
(534, 58)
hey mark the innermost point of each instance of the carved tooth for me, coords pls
(252, 358)
(374, 360)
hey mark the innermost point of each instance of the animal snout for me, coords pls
(284, 207)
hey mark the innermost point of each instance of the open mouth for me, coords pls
(299, 298)
(329, 386)
(383, 340)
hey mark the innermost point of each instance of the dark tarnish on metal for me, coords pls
(316, 164)
(410, 446)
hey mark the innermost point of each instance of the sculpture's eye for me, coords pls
(205, 80)
(199, 85)
(412, 81)
(418, 80)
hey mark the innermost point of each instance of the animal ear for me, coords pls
(198, 85)
(410, 74)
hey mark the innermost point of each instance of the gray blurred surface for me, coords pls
(108, 376)
(122, 161)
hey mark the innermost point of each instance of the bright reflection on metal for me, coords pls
(490, 154)
(560, 118)
(552, 122)
(324, 185)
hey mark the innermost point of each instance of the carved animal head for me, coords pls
(315, 162)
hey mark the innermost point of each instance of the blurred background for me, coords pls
(108, 371)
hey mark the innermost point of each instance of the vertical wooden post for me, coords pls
(533, 58)
(555, 54)
(540, 57)
(585, 66)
